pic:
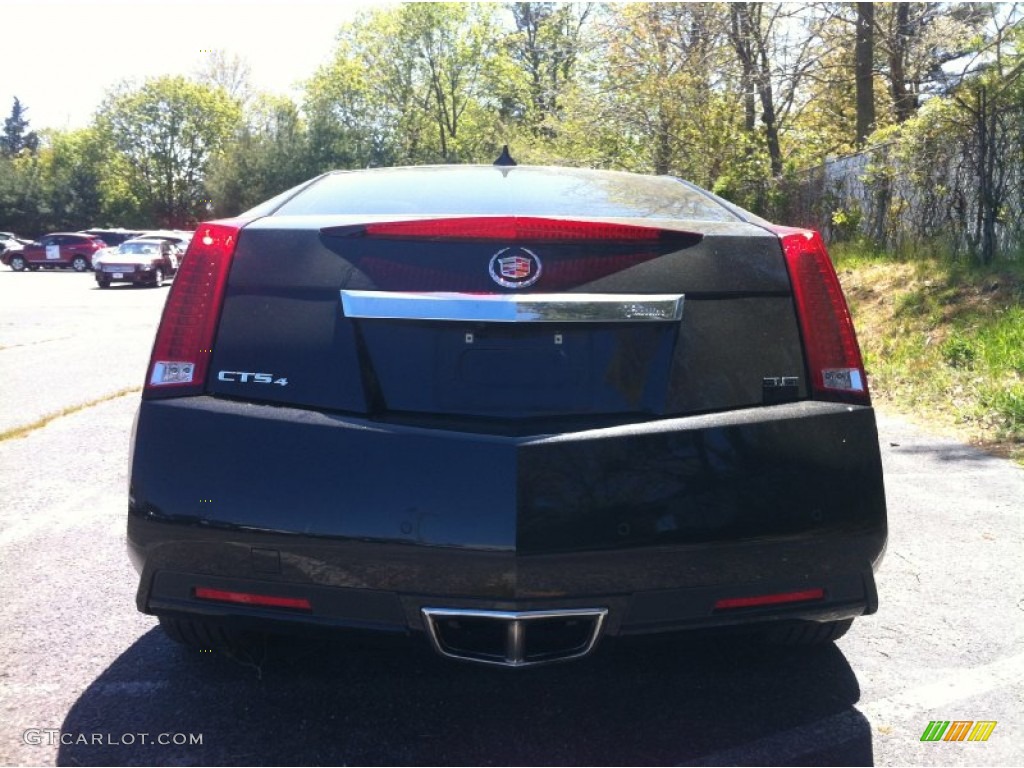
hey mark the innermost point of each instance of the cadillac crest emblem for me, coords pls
(515, 268)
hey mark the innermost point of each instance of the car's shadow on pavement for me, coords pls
(365, 702)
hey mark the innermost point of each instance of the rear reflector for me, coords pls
(776, 599)
(181, 351)
(248, 598)
(512, 229)
(833, 356)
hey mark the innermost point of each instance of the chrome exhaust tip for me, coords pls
(514, 638)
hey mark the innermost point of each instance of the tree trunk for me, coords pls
(864, 54)
(988, 205)
(903, 99)
(740, 33)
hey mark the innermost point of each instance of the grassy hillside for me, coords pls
(942, 343)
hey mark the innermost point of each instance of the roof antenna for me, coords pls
(505, 158)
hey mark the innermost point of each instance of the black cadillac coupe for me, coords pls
(510, 410)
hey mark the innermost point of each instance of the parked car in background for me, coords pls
(142, 261)
(511, 410)
(113, 237)
(11, 242)
(179, 237)
(74, 250)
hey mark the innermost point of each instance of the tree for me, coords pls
(546, 47)
(71, 166)
(408, 84)
(667, 91)
(992, 107)
(362, 106)
(268, 155)
(451, 44)
(918, 39)
(864, 70)
(167, 132)
(230, 72)
(773, 43)
(16, 136)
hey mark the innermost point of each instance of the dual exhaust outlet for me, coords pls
(514, 638)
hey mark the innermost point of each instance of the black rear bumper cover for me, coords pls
(373, 521)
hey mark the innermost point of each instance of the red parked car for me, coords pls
(58, 249)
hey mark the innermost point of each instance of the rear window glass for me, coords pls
(143, 248)
(475, 190)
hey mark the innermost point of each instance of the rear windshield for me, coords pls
(143, 248)
(485, 190)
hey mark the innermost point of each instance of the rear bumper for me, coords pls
(373, 522)
(138, 277)
(633, 613)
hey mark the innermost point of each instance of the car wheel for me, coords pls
(158, 278)
(18, 263)
(804, 634)
(79, 264)
(103, 283)
(206, 635)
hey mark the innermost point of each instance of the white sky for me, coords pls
(59, 57)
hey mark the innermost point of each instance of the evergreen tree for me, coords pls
(16, 136)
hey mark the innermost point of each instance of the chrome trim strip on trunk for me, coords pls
(515, 652)
(522, 308)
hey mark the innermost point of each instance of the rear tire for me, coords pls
(103, 283)
(79, 264)
(807, 634)
(18, 263)
(205, 635)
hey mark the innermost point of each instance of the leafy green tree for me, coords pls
(917, 39)
(775, 45)
(20, 202)
(668, 92)
(360, 106)
(269, 154)
(71, 164)
(409, 84)
(167, 132)
(547, 44)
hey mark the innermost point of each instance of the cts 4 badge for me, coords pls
(244, 377)
(515, 268)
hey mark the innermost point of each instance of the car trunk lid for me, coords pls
(507, 318)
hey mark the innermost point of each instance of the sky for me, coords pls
(59, 57)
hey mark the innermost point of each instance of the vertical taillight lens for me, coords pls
(184, 340)
(833, 356)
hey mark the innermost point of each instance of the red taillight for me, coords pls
(248, 598)
(574, 252)
(833, 356)
(512, 229)
(776, 599)
(184, 339)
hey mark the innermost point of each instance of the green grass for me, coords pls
(942, 340)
